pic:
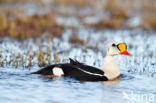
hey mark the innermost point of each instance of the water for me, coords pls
(136, 85)
(19, 86)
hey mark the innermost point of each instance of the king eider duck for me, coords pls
(109, 71)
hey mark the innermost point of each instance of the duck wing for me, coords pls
(85, 68)
(83, 72)
(74, 62)
(74, 69)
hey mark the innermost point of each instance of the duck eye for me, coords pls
(113, 45)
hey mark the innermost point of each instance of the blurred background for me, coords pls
(22, 19)
(36, 33)
(75, 22)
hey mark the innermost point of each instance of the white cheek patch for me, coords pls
(113, 51)
(58, 71)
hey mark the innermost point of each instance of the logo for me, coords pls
(138, 97)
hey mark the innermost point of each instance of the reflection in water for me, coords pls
(115, 81)
(111, 82)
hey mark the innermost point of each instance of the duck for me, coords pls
(83, 72)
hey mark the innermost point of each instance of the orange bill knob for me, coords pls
(123, 49)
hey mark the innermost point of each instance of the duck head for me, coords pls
(116, 49)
